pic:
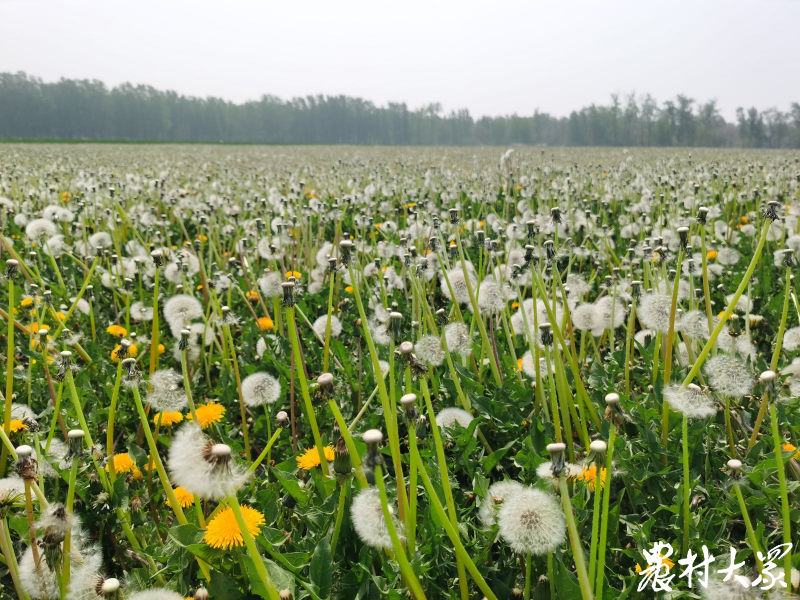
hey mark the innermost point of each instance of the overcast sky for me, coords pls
(493, 57)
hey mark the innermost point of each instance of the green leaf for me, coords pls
(224, 587)
(490, 462)
(291, 485)
(321, 570)
(566, 582)
(186, 535)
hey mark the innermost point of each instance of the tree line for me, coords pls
(72, 109)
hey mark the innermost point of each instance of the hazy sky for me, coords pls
(492, 57)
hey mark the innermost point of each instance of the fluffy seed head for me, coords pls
(531, 522)
(429, 349)
(458, 338)
(203, 467)
(654, 311)
(498, 493)
(259, 389)
(690, 401)
(729, 376)
(368, 521)
(452, 417)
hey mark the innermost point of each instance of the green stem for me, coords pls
(252, 550)
(687, 489)
(785, 514)
(575, 540)
(601, 552)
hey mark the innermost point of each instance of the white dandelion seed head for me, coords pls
(717, 589)
(259, 389)
(270, 285)
(532, 522)
(791, 339)
(585, 317)
(167, 393)
(458, 339)
(459, 284)
(654, 311)
(727, 256)
(192, 465)
(86, 576)
(41, 583)
(321, 326)
(694, 324)
(610, 312)
(742, 304)
(38, 228)
(689, 401)
(729, 376)
(452, 417)
(181, 310)
(429, 350)
(492, 297)
(578, 285)
(529, 368)
(368, 521)
(11, 487)
(498, 493)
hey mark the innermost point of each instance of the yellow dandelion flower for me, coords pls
(209, 414)
(223, 531)
(295, 274)
(26, 301)
(265, 324)
(252, 295)
(132, 351)
(162, 348)
(711, 255)
(123, 463)
(519, 364)
(349, 289)
(589, 476)
(745, 219)
(35, 327)
(168, 418)
(117, 330)
(664, 561)
(185, 497)
(15, 425)
(310, 458)
(787, 447)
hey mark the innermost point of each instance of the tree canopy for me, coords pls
(87, 109)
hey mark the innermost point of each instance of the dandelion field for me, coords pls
(362, 373)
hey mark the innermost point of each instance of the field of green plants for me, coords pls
(365, 373)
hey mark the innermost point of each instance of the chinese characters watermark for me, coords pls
(658, 574)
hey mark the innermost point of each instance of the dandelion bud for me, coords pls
(550, 249)
(555, 214)
(437, 223)
(557, 457)
(529, 250)
(11, 268)
(184, 342)
(129, 364)
(288, 294)
(395, 323)
(109, 586)
(341, 458)
(285, 595)
(597, 452)
(88, 292)
(201, 593)
(346, 250)
(546, 334)
(406, 348)
(453, 216)
(441, 316)
(48, 297)
(325, 383)
(530, 227)
(372, 438)
(788, 258)
(734, 468)
(158, 257)
(282, 419)
(683, 233)
(409, 404)
(66, 359)
(453, 249)
(75, 442)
